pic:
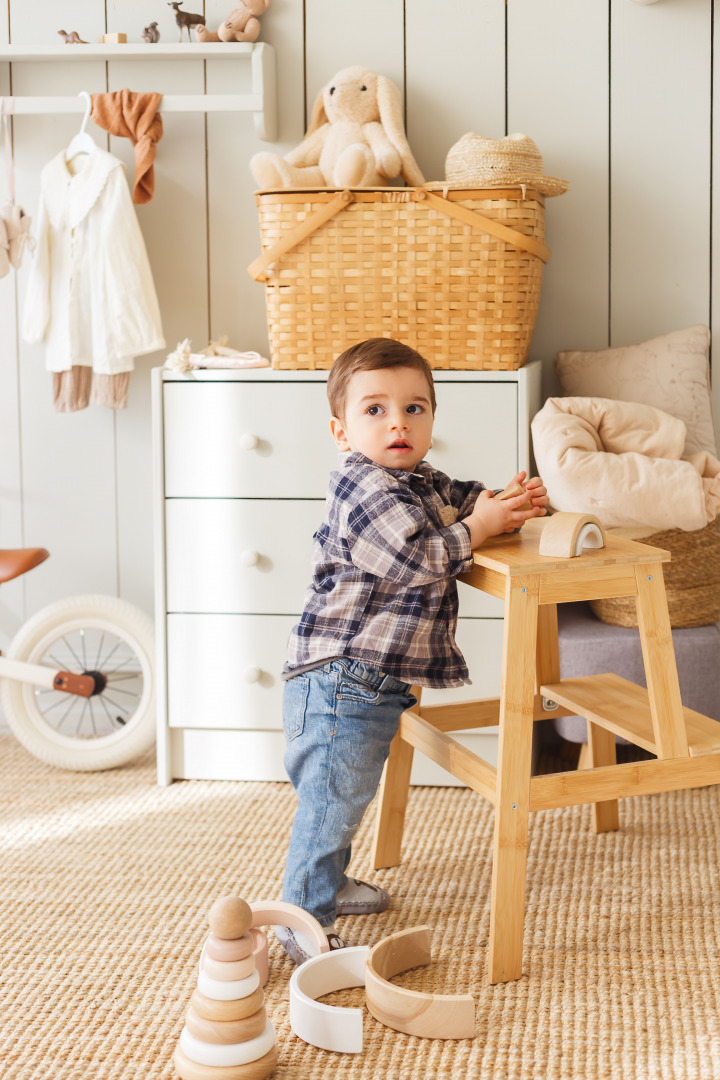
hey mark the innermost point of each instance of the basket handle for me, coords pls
(486, 224)
(257, 268)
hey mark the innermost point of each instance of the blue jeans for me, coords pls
(339, 721)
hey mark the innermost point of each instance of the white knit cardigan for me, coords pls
(90, 295)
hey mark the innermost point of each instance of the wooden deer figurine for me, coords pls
(185, 19)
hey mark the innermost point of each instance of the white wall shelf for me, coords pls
(261, 101)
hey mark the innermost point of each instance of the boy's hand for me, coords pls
(534, 489)
(537, 492)
(491, 516)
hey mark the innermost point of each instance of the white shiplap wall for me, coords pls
(616, 94)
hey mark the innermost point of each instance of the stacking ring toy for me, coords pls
(221, 1055)
(227, 991)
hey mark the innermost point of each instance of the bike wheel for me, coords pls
(97, 635)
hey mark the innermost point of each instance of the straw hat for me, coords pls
(477, 162)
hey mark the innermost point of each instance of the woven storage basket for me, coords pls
(692, 580)
(454, 274)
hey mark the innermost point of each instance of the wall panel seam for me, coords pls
(609, 177)
(712, 151)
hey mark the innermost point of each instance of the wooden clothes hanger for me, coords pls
(82, 143)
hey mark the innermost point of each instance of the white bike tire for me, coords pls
(103, 614)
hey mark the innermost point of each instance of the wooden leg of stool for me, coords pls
(512, 807)
(547, 657)
(659, 659)
(548, 650)
(392, 801)
(601, 751)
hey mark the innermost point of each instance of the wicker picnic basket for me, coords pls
(692, 580)
(454, 274)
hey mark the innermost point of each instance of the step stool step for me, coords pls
(623, 707)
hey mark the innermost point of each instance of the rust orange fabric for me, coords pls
(135, 117)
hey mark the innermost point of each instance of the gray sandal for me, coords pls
(295, 951)
(376, 899)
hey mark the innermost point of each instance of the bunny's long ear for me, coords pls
(318, 116)
(391, 118)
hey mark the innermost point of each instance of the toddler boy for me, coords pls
(379, 616)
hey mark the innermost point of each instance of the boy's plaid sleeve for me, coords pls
(391, 536)
(463, 495)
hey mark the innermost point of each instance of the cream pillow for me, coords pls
(671, 373)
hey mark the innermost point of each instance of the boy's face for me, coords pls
(388, 417)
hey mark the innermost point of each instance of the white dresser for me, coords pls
(241, 467)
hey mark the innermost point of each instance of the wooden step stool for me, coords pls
(686, 743)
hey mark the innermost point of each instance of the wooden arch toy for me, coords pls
(565, 535)
(328, 1026)
(432, 1016)
(280, 913)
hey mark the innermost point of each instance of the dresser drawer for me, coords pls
(475, 434)
(247, 440)
(224, 670)
(211, 545)
(290, 452)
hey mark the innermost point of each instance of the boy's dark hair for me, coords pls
(369, 356)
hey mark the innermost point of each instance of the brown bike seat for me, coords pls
(17, 561)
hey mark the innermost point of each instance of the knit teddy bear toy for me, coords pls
(356, 138)
(242, 24)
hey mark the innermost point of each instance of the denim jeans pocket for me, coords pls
(352, 687)
(295, 698)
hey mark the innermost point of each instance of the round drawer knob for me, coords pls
(249, 558)
(251, 674)
(249, 441)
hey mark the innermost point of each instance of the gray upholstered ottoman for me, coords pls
(591, 647)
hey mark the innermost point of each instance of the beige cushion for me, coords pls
(671, 373)
(621, 461)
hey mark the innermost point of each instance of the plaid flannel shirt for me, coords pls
(384, 566)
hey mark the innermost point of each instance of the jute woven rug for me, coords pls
(107, 878)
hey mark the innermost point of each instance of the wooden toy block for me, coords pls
(239, 1009)
(229, 948)
(327, 1026)
(254, 1070)
(432, 1016)
(565, 535)
(227, 1031)
(510, 492)
(112, 39)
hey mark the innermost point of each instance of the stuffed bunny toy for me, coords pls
(242, 24)
(356, 138)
